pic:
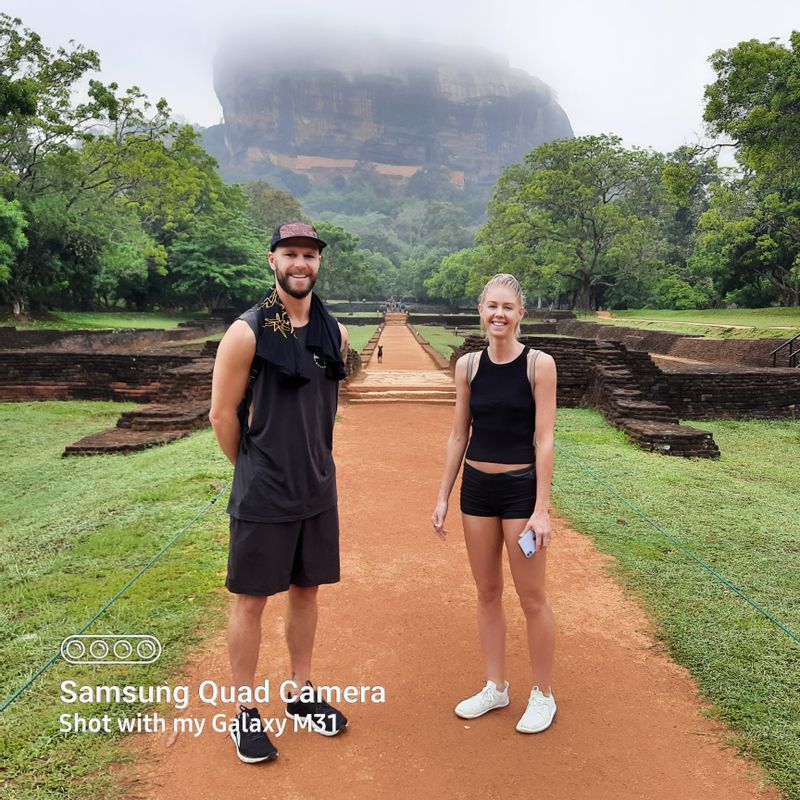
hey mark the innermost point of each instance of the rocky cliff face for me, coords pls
(327, 104)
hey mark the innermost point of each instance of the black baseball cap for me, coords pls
(295, 230)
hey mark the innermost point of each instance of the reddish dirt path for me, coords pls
(629, 723)
(400, 352)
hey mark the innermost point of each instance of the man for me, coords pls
(284, 533)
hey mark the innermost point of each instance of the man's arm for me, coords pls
(231, 374)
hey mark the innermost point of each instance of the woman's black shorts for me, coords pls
(265, 558)
(508, 495)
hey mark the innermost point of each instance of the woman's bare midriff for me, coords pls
(491, 467)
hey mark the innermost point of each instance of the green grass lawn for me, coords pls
(359, 334)
(87, 320)
(74, 531)
(443, 339)
(739, 515)
(739, 323)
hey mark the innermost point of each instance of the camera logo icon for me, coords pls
(132, 648)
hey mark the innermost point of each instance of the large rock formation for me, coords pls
(326, 104)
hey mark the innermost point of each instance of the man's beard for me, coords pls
(284, 283)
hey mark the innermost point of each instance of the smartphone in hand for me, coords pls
(527, 543)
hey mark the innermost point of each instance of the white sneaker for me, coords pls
(487, 699)
(539, 713)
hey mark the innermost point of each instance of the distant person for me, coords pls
(506, 393)
(284, 531)
(380, 354)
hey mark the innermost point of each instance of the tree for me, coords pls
(270, 206)
(750, 244)
(123, 196)
(687, 177)
(387, 274)
(219, 257)
(435, 224)
(12, 235)
(750, 235)
(754, 101)
(460, 275)
(345, 272)
(432, 183)
(569, 209)
(164, 175)
(37, 116)
(39, 119)
(81, 170)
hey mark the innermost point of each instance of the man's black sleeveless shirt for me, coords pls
(503, 412)
(284, 469)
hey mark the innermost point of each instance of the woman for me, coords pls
(508, 394)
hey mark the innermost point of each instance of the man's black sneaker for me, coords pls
(250, 737)
(316, 715)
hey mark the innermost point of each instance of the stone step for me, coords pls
(176, 423)
(643, 410)
(395, 394)
(386, 387)
(672, 439)
(157, 410)
(420, 400)
(121, 440)
(160, 416)
(616, 418)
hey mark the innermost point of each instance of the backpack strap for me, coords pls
(470, 363)
(532, 368)
(532, 381)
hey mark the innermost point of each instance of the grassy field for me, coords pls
(80, 320)
(442, 338)
(739, 323)
(74, 531)
(359, 334)
(739, 515)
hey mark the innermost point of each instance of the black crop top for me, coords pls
(503, 412)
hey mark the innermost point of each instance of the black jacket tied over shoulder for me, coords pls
(277, 344)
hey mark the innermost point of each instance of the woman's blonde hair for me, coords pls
(503, 279)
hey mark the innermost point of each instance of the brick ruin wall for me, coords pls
(748, 394)
(750, 352)
(30, 374)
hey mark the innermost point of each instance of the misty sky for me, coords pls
(617, 66)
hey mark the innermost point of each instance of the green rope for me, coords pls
(679, 545)
(116, 597)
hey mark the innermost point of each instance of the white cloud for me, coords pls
(619, 66)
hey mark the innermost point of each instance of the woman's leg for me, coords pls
(484, 539)
(528, 575)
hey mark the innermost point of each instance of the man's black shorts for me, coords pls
(265, 558)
